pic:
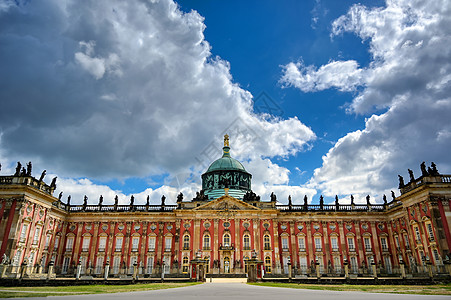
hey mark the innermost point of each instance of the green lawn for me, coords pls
(44, 291)
(438, 289)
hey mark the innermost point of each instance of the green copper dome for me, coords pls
(226, 173)
(226, 163)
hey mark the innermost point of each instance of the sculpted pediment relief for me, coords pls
(226, 203)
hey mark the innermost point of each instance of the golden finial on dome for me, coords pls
(226, 140)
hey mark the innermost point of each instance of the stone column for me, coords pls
(215, 241)
(237, 243)
(95, 237)
(257, 237)
(375, 238)
(276, 245)
(294, 253)
(196, 238)
(77, 241)
(392, 243)
(359, 243)
(310, 241)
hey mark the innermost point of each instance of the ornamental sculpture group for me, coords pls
(430, 171)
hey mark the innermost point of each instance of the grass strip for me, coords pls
(44, 291)
(438, 289)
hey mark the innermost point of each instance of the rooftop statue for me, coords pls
(85, 200)
(180, 197)
(68, 200)
(163, 200)
(42, 175)
(273, 197)
(434, 169)
(60, 196)
(148, 200)
(352, 200)
(401, 182)
(116, 200)
(289, 201)
(18, 168)
(368, 200)
(321, 201)
(53, 184)
(24, 172)
(393, 195)
(385, 199)
(424, 172)
(29, 167)
(132, 200)
(412, 178)
(305, 201)
(100, 200)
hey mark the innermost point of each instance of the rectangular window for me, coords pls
(119, 243)
(57, 241)
(303, 264)
(285, 243)
(417, 234)
(151, 243)
(301, 242)
(384, 244)
(430, 231)
(116, 264)
(37, 233)
(86, 243)
(351, 244)
(135, 243)
(397, 241)
(133, 261)
(337, 264)
(69, 243)
(23, 233)
(334, 243)
(367, 242)
(66, 263)
(168, 243)
(149, 265)
(99, 264)
(406, 241)
(47, 240)
(318, 244)
(354, 266)
(102, 243)
(83, 261)
(387, 263)
(16, 259)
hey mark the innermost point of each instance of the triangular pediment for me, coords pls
(226, 203)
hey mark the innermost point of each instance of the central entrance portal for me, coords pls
(227, 265)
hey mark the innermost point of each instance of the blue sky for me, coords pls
(124, 98)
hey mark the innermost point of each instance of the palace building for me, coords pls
(225, 225)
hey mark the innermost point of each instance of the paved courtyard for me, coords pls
(238, 291)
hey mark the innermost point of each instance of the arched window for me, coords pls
(246, 242)
(185, 264)
(206, 242)
(226, 239)
(186, 242)
(245, 258)
(268, 264)
(267, 242)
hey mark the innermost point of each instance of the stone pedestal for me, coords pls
(107, 271)
(78, 272)
(403, 269)
(346, 269)
(50, 271)
(135, 271)
(374, 269)
(3, 272)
